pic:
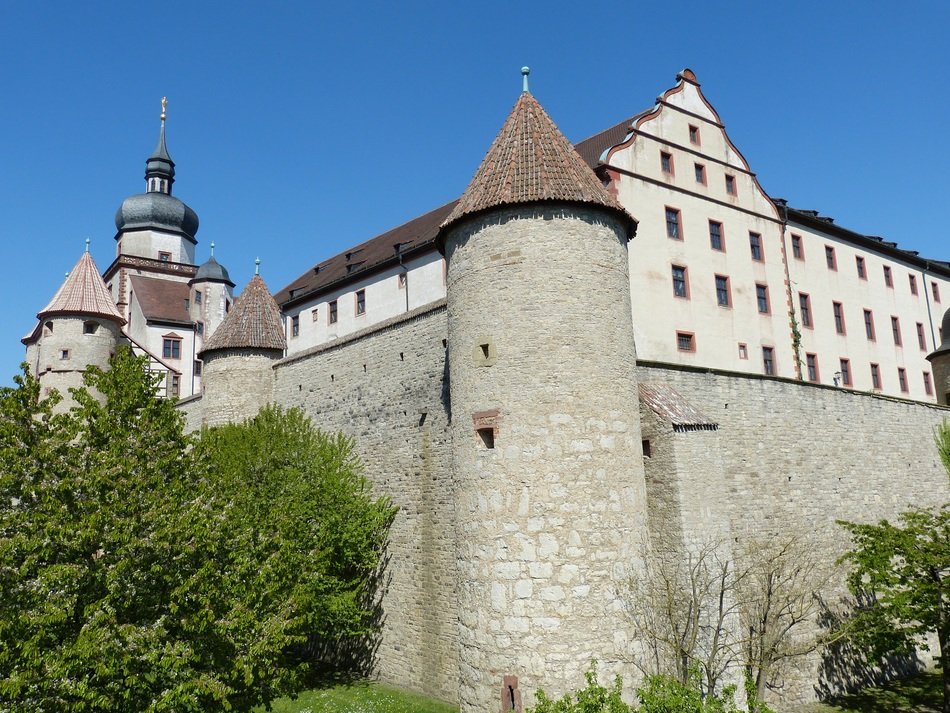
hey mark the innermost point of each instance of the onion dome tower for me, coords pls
(212, 293)
(550, 491)
(238, 377)
(940, 359)
(80, 326)
(155, 224)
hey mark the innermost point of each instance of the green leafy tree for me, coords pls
(136, 573)
(900, 576)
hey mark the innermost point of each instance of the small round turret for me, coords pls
(940, 359)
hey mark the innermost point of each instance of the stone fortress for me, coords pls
(547, 388)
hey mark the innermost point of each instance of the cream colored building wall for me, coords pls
(385, 298)
(150, 243)
(647, 191)
(811, 275)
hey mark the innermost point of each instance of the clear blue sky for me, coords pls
(299, 129)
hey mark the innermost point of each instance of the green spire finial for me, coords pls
(87, 244)
(257, 266)
(525, 71)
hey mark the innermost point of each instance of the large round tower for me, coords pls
(238, 375)
(940, 359)
(545, 418)
(80, 326)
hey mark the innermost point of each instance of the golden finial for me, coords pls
(164, 106)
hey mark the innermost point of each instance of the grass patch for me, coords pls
(361, 697)
(922, 693)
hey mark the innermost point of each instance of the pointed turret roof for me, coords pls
(83, 293)
(253, 322)
(531, 161)
(160, 163)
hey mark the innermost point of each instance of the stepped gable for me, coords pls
(83, 293)
(253, 322)
(531, 161)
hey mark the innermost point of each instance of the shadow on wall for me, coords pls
(333, 660)
(846, 668)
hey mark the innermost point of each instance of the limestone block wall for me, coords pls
(795, 458)
(385, 387)
(546, 447)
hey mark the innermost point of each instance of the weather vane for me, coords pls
(164, 106)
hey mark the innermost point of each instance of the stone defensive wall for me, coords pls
(386, 387)
(732, 457)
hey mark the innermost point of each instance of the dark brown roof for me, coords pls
(161, 300)
(418, 233)
(253, 322)
(529, 161)
(374, 253)
(83, 292)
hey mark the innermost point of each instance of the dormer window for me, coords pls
(164, 257)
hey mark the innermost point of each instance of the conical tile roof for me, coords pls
(83, 293)
(253, 322)
(530, 161)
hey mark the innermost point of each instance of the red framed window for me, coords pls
(912, 279)
(716, 240)
(875, 376)
(723, 291)
(804, 307)
(830, 258)
(797, 251)
(694, 134)
(935, 288)
(921, 337)
(838, 312)
(685, 341)
(902, 379)
(928, 386)
(845, 368)
(811, 363)
(680, 281)
(666, 162)
(730, 185)
(699, 170)
(755, 247)
(859, 264)
(896, 331)
(888, 277)
(762, 298)
(768, 361)
(869, 325)
(673, 228)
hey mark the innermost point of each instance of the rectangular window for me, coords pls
(700, 172)
(360, 302)
(830, 259)
(888, 277)
(722, 291)
(685, 342)
(673, 224)
(197, 367)
(694, 134)
(295, 326)
(928, 387)
(200, 328)
(175, 388)
(875, 376)
(913, 284)
(811, 361)
(314, 314)
(730, 185)
(768, 361)
(859, 264)
(402, 280)
(743, 351)
(171, 348)
(845, 366)
(921, 338)
(680, 282)
(198, 297)
(869, 324)
(797, 251)
(838, 311)
(332, 312)
(902, 379)
(164, 257)
(896, 331)
(762, 298)
(755, 246)
(804, 305)
(64, 354)
(715, 236)
(935, 288)
(666, 162)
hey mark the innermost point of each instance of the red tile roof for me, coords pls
(161, 300)
(253, 323)
(83, 293)
(530, 161)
